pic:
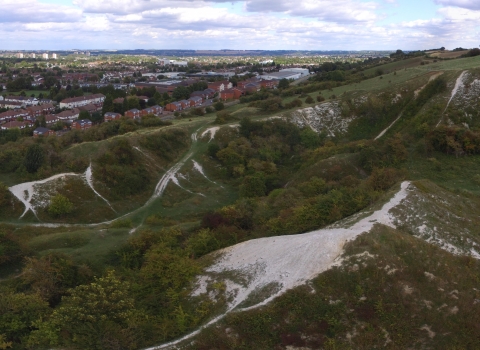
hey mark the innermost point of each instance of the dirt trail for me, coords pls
(388, 127)
(458, 83)
(433, 77)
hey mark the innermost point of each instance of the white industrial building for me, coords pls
(288, 73)
(303, 71)
(166, 62)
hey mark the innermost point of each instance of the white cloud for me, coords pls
(468, 4)
(246, 24)
(33, 11)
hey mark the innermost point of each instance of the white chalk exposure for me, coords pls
(458, 84)
(166, 178)
(26, 191)
(211, 131)
(388, 127)
(292, 260)
(89, 178)
(286, 261)
(199, 168)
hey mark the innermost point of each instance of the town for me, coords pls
(44, 99)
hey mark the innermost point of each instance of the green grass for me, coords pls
(457, 174)
(90, 246)
(28, 93)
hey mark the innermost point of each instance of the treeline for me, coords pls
(454, 140)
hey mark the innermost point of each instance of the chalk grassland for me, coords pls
(447, 54)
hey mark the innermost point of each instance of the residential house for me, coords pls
(132, 113)
(155, 110)
(201, 94)
(196, 101)
(90, 108)
(231, 94)
(73, 102)
(42, 132)
(11, 104)
(51, 119)
(69, 115)
(109, 116)
(219, 86)
(251, 87)
(186, 103)
(82, 124)
(174, 107)
(269, 84)
(36, 111)
(210, 93)
(13, 115)
(15, 125)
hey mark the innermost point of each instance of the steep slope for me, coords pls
(256, 272)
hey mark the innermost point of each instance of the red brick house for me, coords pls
(109, 116)
(269, 84)
(186, 103)
(36, 111)
(210, 93)
(196, 101)
(82, 124)
(174, 107)
(155, 110)
(43, 132)
(220, 85)
(132, 113)
(231, 94)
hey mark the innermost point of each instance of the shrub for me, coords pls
(295, 103)
(60, 205)
(320, 98)
(34, 158)
(219, 106)
(309, 99)
(123, 223)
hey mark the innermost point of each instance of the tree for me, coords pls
(253, 186)
(84, 115)
(107, 104)
(99, 315)
(133, 102)
(18, 312)
(4, 196)
(60, 205)
(34, 158)
(51, 275)
(219, 106)
(283, 83)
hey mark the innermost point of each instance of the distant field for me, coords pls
(390, 67)
(27, 92)
(448, 54)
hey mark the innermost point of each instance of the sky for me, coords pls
(239, 24)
